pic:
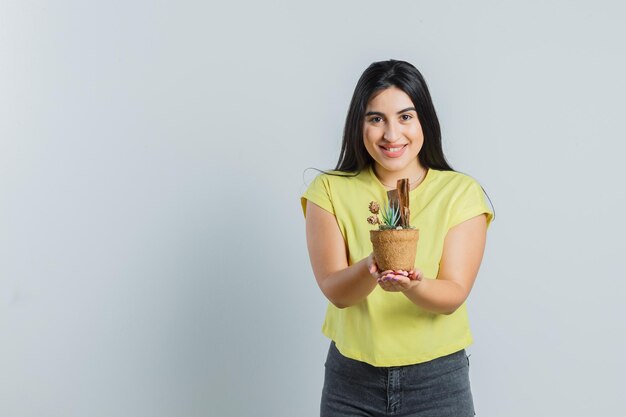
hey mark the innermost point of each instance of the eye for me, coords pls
(406, 117)
(376, 119)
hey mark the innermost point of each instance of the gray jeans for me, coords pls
(438, 388)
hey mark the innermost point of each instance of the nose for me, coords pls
(391, 132)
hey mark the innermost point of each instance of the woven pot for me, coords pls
(395, 249)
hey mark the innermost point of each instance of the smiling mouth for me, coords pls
(394, 149)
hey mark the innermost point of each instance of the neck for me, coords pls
(415, 174)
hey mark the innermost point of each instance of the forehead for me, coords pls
(390, 98)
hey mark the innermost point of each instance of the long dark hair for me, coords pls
(380, 76)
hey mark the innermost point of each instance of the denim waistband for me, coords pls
(351, 367)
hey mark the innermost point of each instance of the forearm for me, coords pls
(350, 285)
(437, 295)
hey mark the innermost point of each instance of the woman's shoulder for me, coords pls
(332, 188)
(455, 178)
(334, 177)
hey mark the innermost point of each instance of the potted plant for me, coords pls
(395, 242)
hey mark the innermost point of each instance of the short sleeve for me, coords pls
(318, 192)
(470, 202)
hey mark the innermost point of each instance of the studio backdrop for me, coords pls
(153, 259)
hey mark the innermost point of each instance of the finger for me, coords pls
(417, 274)
(384, 279)
(403, 284)
(403, 281)
(374, 264)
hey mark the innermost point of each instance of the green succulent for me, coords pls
(390, 215)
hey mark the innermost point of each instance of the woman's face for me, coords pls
(392, 133)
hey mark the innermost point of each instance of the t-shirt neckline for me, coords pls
(429, 175)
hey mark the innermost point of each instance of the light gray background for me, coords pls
(152, 248)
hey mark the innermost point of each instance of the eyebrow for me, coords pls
(377, 113)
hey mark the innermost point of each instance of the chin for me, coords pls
(394, 167)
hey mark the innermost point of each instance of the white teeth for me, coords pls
(394, 149)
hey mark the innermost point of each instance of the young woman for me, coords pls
(398, 338)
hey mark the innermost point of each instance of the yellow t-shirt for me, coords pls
(388, 329)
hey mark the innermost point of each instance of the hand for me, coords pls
(372, 266)
(396, 281)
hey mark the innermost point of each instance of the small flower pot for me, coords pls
(395, 248)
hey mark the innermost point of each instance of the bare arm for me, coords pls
(462, 254)
(343, 285)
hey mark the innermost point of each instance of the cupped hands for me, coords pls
(394, 281)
